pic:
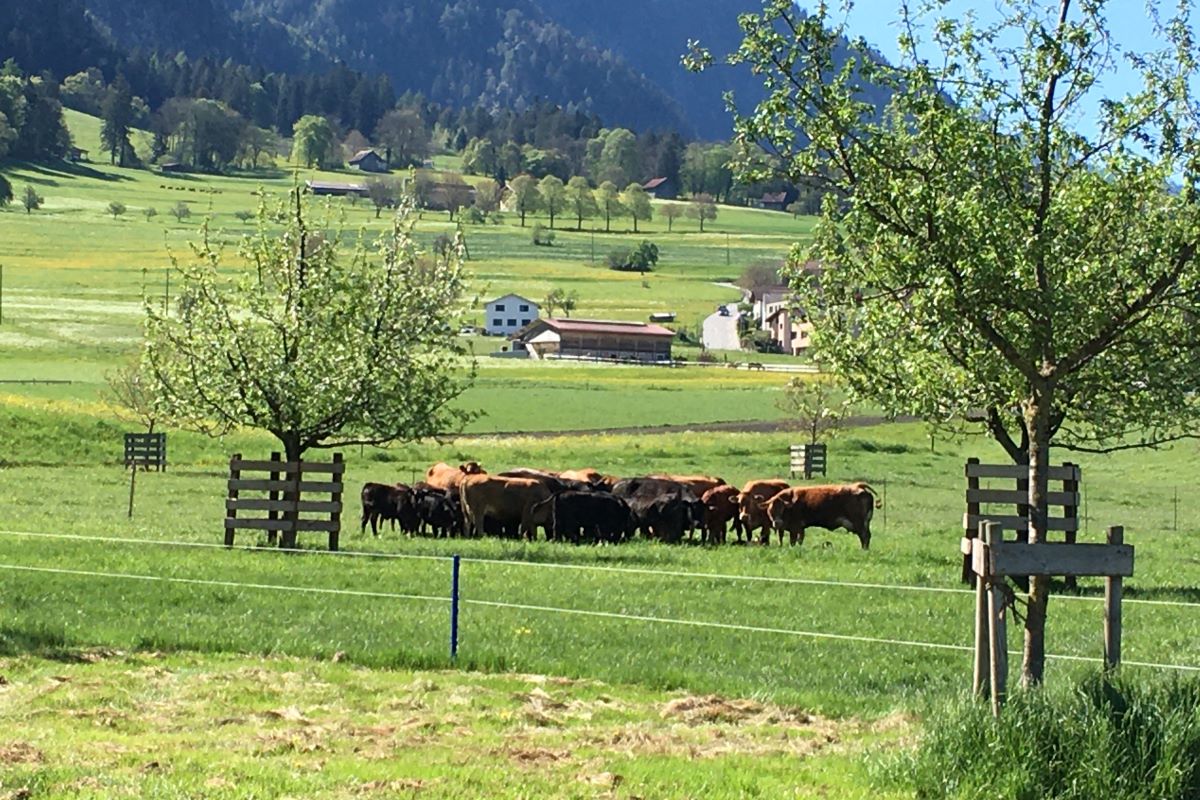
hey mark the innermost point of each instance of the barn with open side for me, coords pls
(589, 338)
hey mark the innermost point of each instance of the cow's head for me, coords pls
(777, 507)
(471, 468)
(749, 507)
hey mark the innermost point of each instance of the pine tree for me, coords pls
(116, 112)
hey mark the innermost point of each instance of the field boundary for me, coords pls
(567, 611)
(666, 573)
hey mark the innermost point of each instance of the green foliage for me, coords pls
(31, 200)
(580, 200)
(561, 299)
(404, 134)
(702, 208)
(487, 196)
(541, 236)
(642, 258)
(637, 203)
(317, 347)
(1135, 736)
(6, 192)
(313, 142)
(181, 211)
(116, 113)
(707, 170)
(526, 198)
(116, 208)
(612, 157)
(383, 193)
(816, 406)
(150, 212)
(671, 212)
(608, 203)
(554, 195)
(202, 133)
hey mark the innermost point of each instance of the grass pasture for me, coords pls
(138, 665)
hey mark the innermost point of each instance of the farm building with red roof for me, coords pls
(590, 338)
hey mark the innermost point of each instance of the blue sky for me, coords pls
(1129, 24)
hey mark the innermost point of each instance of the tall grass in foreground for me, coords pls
(1125, 737)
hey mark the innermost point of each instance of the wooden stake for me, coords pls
(1112, 608)
(981, 681)
(132, 482)
(997, 623)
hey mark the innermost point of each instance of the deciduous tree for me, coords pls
(31, 200)
(637, 202)
(525, 196)
(322, 343)
(313, 142)
(671, 212)
(608, 201)
(554, 195)
(702, 208)
(580, 200)
(1009, 247)
(406, 137)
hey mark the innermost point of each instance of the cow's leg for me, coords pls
(365, 516)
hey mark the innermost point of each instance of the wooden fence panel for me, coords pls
(284, 501)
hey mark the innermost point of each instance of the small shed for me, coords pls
(77, 154)
(368, 161)
(508, 314)
(171, 166)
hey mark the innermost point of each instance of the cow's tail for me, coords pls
(868, 487)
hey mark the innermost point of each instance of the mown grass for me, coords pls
(98, 724)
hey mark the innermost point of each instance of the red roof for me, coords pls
(654, 183)
(604, 326)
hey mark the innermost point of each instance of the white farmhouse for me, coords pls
(508, 314)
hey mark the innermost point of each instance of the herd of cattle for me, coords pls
(575, 505)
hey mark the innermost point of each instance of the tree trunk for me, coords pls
(1037, 419)
(635, 230)
(552, 219)
(292, 454)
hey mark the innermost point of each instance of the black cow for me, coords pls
(438, 510)
(381, 502)
(664, 508)
(598, 515)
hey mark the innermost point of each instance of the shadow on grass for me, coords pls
(1176, 594)
(41, 642)
(66, 169)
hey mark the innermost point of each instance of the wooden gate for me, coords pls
(146, 450)
(807, 460)
(281, 495)
(982, 502)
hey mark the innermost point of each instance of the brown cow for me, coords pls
(699, 484)
(751, 507)
(720, 508)
(587, 475)
(848, 506)
(506, 500)
(447, 478)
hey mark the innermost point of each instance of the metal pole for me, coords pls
(454, 606)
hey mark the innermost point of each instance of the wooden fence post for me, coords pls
(335, 516)
(231, 511)
(1071, 485)
(981, 681)
(1112, 607)
(994, 537)
(968, 573)
(273, 495)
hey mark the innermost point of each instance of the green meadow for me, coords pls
(140, 666)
